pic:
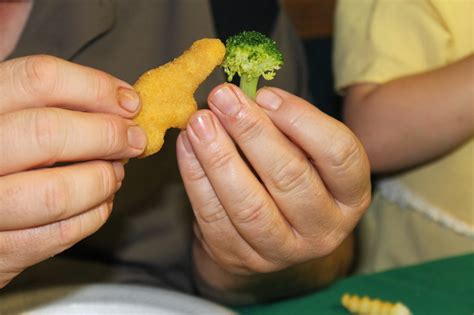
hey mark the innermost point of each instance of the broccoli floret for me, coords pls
(251, 55)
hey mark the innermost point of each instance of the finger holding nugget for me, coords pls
(43, 136)
(49, 113)
(52, 110)
(47, 81)
(31, 86)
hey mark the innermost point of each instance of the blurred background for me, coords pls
(313, 20)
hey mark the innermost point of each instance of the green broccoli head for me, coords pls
(251, 55)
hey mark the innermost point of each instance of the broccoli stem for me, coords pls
(249, 86)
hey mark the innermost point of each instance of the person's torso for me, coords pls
(150, 223)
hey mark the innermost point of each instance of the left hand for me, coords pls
(292, 193)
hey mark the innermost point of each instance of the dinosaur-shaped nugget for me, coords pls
(167, 92)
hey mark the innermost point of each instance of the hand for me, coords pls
(53, 111)
(297, 193)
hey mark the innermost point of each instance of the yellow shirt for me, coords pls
(381, 40)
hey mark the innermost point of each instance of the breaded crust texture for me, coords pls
(167, 92)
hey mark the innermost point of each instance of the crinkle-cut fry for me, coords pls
(367, 306)
(167, 92)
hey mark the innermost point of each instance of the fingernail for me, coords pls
(186, 144)
(226, 101)
(136, 137)
(267, 99)
(119, 171)
(128, 100)
(203, 127)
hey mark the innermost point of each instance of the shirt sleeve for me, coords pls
(380, 40)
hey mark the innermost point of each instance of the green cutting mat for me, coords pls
(439, 287)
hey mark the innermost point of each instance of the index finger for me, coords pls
(336, 152)
(42, 81)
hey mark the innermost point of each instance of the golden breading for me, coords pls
(167, 92)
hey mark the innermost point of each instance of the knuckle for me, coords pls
(344, 151)
(48, 136)
(291, 174)
(323, 246)
(259, 265)
(252, 209)
(250, 127)
(194, 172)
(229, 260)
(295, 120)
(220, 159)
(246, 262)
(105, 178)
(40, 75)
(113, 135)
(67, 233)
(11, 196)
(5, 248)
(101, 83)
(13, 256)
(285, 251)
(70, 231)
(217, 213)
(56, 197)
(232, 263)
(362, 205)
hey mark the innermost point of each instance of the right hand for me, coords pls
(53, 111)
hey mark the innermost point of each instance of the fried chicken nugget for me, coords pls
(167, 92)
